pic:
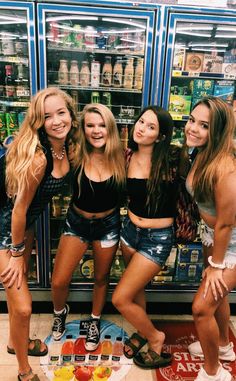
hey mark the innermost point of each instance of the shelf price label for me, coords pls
(193, 74)
(229, 76)
(176, 73)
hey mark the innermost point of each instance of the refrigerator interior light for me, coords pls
(126, 22)
(223, 35)
(198, 34)
(228, 28)
(64, 18)
(211, 50)
(210, 44)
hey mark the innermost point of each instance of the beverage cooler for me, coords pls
(99, 55)
(17, 84)
(200, 61)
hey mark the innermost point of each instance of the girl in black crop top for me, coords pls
(93, 216)
(36, 167)
(147, 234)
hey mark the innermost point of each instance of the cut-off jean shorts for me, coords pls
(153, 244)
(208, 240)
(106, 230)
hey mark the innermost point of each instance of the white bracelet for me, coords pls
(220, 266)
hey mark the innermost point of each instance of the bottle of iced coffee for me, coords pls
(138, 75)
(74, 73)
(118, 73)
(85, 74)
(63, 76)
(107, 72)
(129, 74)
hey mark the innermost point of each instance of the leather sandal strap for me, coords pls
(23, 375)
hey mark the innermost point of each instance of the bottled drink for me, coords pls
(79, 37)
(100, 39)
(85, 74)
(117, 349)
(95, 73)
(67, 350)
(20, 91)
(7, 45)
(106, 349)
(78, 350)
(138, 76)
(106, 99)
(89, 37)
(107, 72)
(9, 82)
(3, 130)
(95, 97)
(74, 73)
(2, 78)
(11, 122)
(118, 73)
(129, 74)
(55, 353)
(63, 73)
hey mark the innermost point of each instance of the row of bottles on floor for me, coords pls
(73, 351)
(111, 75)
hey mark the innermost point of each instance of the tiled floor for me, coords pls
(40, 327)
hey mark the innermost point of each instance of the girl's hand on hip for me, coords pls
(214, 280)
(14, 272)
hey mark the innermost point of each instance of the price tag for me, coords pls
(229, 76)
(194, 74)
(176, 73)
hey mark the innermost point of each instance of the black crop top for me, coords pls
(95, 197)
(137, 194)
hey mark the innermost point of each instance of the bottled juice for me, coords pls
(138, 76)
(93, 357)
(63, 73)
(74, 73)
(118, 73)
(55, 353)
(117, 350)
(85, 74)
(67, 350)
(79, 350)
(107, 72)
(106, 349)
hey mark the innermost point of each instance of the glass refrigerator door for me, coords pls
(201, 61)
(17, 83)
(17, 64)
(99, 55)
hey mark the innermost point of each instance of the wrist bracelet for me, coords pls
(220, 266)
(18, 248)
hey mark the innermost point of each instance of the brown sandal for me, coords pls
(21, 376)
(35, 351)
(131, 346)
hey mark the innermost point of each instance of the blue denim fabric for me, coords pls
(5, 227)
(106, 230)
(153, 244)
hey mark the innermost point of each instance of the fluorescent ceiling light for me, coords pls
(208, 44)
(125, 21)
(63, 18)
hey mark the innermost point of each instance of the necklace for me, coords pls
(59, 157)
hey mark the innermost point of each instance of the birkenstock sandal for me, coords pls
(135, 348)
(21, 376)
(35, 351)
(152, 360)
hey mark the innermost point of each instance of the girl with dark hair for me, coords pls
(147, 235)
(212, 181)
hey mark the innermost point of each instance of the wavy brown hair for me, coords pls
(218, 155)
(21, 152)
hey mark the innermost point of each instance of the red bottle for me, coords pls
(79, 350)
(67, 350)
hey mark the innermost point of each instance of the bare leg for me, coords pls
(125, 294)
(206, 324)
(103, 258)
(70, 251)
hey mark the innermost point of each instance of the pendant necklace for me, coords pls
(56, 156)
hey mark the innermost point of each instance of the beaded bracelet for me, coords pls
(220, 266)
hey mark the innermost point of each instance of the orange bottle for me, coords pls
(117, 350)
(106, 349)
(67, 350)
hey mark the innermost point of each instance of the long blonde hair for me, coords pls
(113, 151)
(218, 156)
(21, 152)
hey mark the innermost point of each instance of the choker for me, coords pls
(56, 156)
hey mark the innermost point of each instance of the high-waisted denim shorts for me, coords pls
(154, 244)
(106, 230)
(5, 227)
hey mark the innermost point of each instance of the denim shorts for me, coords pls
(5, 227)
(106, 230)
(230, 255)
(154, 244)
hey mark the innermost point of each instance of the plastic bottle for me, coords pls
(85, 74)
(79, 350)
(67, 350)
(138, 75)
(117, 349)
(74, 73)
(95, 73)
(63, 73)
(118, 73)
(129, 74)
(106, 349)
(107, 72)
(55, 353)
(9, 82)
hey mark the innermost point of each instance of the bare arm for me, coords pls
(15, 270)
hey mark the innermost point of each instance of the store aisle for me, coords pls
(40, 327)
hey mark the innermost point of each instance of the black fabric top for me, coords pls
(95, 197)
(137, 194)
